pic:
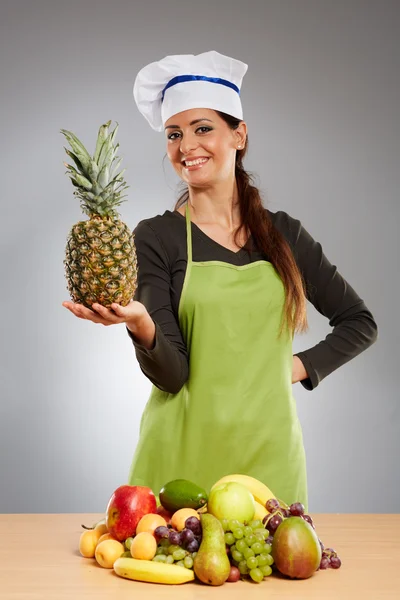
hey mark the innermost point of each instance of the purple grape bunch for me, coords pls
(277, 512)
(161, 533)
(192, 534)
(329, 559)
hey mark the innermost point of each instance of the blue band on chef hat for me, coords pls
(182, 78)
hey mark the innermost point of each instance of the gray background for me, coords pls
(321, 100)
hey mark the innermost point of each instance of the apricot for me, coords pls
(107, 552)
(106, 536)
(150, 522)
(179, 517)
(88, 542)
(144, 546)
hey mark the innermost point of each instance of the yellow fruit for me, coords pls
(107, 553)
(260, 512)
(102, 527)
(144, 546)
(88, 542)
(179, 517)
(106, 536)
(150, 522)
(151, 571)
(259, 490)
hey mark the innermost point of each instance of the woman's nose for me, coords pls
(188, 143)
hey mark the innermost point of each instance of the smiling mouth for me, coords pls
(195, 165)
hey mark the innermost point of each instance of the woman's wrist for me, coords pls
(144, 331)
(298, 371)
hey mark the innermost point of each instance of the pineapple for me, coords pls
(100, 257)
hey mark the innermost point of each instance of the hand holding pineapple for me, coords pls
(134, 315)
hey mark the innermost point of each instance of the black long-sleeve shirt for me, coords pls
(162, 257)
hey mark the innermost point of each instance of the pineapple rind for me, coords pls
(97, 270)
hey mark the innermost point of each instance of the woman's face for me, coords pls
(200, 133)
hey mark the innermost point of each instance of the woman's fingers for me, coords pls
(101, 314)
(108, 315)
(85, 313)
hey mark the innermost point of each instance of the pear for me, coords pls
(211, 564)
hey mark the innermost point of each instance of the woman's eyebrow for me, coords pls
(191, 123)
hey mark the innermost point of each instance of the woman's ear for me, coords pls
(241, 134)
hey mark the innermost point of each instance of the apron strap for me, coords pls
(188, 236)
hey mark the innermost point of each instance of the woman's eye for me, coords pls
(170, 137)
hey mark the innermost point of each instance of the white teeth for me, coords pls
(190, 163)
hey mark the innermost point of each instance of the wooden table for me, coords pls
(39, 560)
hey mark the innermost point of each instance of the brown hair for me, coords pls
(267, 239)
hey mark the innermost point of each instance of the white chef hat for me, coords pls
(176, 83)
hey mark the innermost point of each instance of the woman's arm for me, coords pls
(159, 346)
(298, 371)
(354, 327)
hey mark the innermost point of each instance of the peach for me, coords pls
(179, 517)
(88, 542)
(150, 522)
(106, 536)
(144, 546)
(107, 552)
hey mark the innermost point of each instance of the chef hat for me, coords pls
(176, 83)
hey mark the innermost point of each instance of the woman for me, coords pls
(222, 288)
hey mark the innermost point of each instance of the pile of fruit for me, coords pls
(240, 530)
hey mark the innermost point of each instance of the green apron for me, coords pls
(236, 412)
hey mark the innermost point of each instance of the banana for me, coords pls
(261, 511)
(259, 490)
(151, 571)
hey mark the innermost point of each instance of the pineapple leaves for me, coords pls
(114, 133)
(104, 176)
(75, 159)
(82, 181)
(78, 148)
(116, 167)
(93, 170)
(107, 149)
(97, 184)
(103, 133)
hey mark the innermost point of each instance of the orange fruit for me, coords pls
(106, 536)
(179, 517)
(88, 542)
(107, 553)
(144, 546)
(150, 522)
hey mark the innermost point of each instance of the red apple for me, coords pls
(127, 505)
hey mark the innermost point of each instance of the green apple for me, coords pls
(231, 500)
